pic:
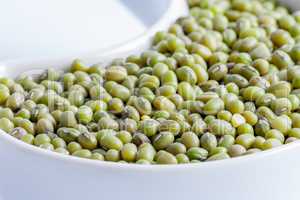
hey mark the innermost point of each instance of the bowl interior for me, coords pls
(51, 28)
(292, 4)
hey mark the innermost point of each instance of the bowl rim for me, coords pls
(28, 148)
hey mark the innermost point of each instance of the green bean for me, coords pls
(218, 156)
(186, 74)
(208, 141)
(281, 59)
(111, 142)
(41, 139)
(176, 148)
(129, 152)
(218, 71)
(213, 106)
(221, 127)
(4, 93)
(88, 141)
(166, 158)
(149, 81)
(236, 150)
(163, 103)
(143, 106)
(146, 152)
(244, 129)
(163, 140)
(124, 136)
(190, 139)
(197, 153)
(182, 159)
(115, 73)
(140, 138)
(105, 122)
(44, 126)
(67, 119)
(15, 101)
(170, 126)
(28, 138)
(282, 123)
(198, 126)
(68, 134)
(246, 140)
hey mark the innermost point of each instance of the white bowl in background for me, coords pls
(30, 173)
(293, 4)
(52, 29)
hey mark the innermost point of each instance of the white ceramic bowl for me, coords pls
(29, 173)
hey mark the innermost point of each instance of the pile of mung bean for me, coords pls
(222, 82)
